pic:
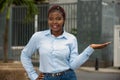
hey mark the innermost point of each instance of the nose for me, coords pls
(54, 21)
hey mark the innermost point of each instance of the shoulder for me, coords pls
(40, 34)
(70, 36)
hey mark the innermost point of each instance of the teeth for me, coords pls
(55, 26)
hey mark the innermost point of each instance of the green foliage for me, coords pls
(31, 7)
(74, 31)
(3, 4)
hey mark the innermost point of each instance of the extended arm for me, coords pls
(77, 60)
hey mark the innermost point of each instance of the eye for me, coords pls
(50, 18)
(59, 18)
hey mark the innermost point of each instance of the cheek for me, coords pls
(49, 22)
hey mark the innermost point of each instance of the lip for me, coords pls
(55, 26)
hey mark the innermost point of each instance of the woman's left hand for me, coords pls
(99, 46)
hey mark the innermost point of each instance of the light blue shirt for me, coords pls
(56, 53)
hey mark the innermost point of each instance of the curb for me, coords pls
(100, 70)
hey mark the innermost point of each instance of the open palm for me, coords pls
(99, 46)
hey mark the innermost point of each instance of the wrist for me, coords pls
(92, 46)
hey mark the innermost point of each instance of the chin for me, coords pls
(55, 30)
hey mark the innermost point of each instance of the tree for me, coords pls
(6, 5)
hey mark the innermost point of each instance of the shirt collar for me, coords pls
(64, 35)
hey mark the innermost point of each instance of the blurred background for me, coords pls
(91, 21)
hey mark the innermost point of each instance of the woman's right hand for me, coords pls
(40, 77)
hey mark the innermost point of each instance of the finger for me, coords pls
(99, 46)
(108, 43)
(41, 77)
(38, 79)
(105, 44)
(41, 74)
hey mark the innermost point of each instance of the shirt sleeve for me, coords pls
(26, 54)
(76, 60)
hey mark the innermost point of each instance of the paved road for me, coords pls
(87, 75)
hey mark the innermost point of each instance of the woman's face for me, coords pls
(55, 22)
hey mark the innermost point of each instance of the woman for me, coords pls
(58, 50)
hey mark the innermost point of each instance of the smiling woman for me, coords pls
(56, 19)
(58, 50)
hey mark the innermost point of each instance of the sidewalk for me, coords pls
(89, 73)
(12, 71)
(105, 70)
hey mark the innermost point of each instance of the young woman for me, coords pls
(58, 50)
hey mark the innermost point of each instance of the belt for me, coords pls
(57, 74)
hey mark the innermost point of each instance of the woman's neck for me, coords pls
(57, 33)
